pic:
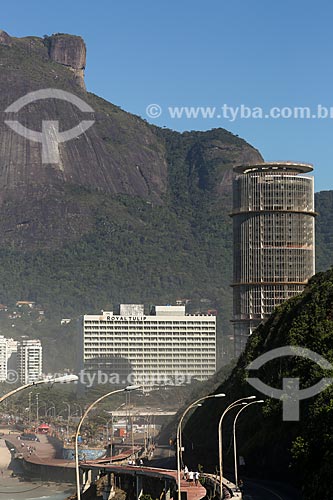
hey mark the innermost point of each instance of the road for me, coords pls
(254, 490)
(164, 457)
(265, 490)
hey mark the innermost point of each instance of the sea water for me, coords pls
(44, 497)
(11, 488)
(29, 491)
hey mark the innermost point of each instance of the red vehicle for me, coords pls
(43, 429)
(120, 432)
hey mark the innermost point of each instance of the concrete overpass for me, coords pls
(140, 412)
(139, 480)
(136, 481)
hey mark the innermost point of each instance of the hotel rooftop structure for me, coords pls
(167, 347)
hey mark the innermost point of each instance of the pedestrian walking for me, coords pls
(185, 472)
(226, 492)
(190, 477)
(196, 478)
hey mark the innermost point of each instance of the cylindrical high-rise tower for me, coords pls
(273, 225)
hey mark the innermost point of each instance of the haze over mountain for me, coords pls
(131, 213)
(120, 154)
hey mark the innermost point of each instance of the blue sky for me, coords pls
(213, 53)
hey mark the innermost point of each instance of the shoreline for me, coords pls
(14, 488)
(5, 456)
(17, 488)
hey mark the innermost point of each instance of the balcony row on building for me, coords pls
(20, 361)
(158, 348)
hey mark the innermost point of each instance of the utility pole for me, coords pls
(68, 417)
(132, 435)
(37, 407)
(152, 430)
(80, 408)
(53, 406)
(29, 416)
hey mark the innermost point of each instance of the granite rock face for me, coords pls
(121, 154)
(70, 51)
(5, 39)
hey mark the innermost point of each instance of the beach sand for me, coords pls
(12, 488)
(5, 457)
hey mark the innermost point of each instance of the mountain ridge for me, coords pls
(120, 154)
(134, 213)
(137, 213)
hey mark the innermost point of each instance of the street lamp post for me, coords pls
(68, 417)
(106, 426)
(37, 407)
(30, 408)
(238, 402)
(112, 416)
(48, 409)
(57, 380)
(234, 435)
(147, 432)
(78, 429)
(107, 430)
(105, 420)
(80, 408)
(181, 438)
(179, 431)
(132, 435)
(53, 406)
(44, 404)
(153, 430)
(51, 410)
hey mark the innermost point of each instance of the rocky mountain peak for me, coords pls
(119, 156)
(5, 39)
(69, 50)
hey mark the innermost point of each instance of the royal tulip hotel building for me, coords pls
(164, 348)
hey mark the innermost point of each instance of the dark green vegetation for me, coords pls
(134, 213)
(146, 254)
(137, 213)
(324, 230)
(299, 452)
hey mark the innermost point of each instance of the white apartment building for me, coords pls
(166, 347)
(11, 354)
(11, 347)
(29, 360)
(3, 358)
